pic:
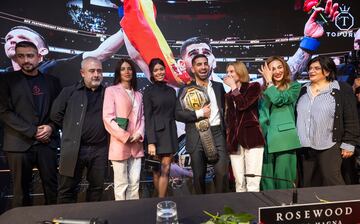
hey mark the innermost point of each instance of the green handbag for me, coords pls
(122, 122)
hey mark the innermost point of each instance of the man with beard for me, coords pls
(214, 112)
(78, 111)
(30, 138)
(65, 69)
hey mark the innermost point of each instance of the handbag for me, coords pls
(152, 163)
(122, 122)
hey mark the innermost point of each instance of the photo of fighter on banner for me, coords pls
(144, 39)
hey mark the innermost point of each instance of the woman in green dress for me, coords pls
(277, 119)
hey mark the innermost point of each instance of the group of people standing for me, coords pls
(287, 133)
(97, 124)
(278, 130)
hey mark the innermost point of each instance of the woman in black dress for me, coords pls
(160, 127)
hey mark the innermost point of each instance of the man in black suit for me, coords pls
(215, 113)
(30, 138)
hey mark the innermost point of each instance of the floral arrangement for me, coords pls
(229, 217)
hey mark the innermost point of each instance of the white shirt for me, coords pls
(215, 113)
(131, 94)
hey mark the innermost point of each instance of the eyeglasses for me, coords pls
(316, 68)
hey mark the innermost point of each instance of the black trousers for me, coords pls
(95, 159)
(349, 169)
(321, 167)
(221, 167)
(21, 164)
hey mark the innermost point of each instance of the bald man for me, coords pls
(84, 144)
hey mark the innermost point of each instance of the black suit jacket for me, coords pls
(18, 112)
(189, 117)
(159, 111)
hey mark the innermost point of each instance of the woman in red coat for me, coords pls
(245, 141)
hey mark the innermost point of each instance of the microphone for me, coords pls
(79, 221)
(294, 193)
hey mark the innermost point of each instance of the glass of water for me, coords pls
(166, 213)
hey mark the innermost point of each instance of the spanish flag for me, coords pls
(143, 33)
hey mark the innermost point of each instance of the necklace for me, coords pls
(318, 89)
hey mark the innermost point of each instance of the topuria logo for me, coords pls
(344, 21)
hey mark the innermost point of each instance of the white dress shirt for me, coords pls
(214, 118)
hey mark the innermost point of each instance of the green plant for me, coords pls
(229, 217)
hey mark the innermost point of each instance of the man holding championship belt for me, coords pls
(200, 106)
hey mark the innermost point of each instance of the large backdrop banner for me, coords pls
(66, 31)
(142, 29)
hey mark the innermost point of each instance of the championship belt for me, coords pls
(194, 98)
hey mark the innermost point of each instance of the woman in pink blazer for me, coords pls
(126, 147)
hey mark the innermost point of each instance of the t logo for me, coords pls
(344, 20)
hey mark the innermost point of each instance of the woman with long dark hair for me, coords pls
(124, 119)
(160, 127)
